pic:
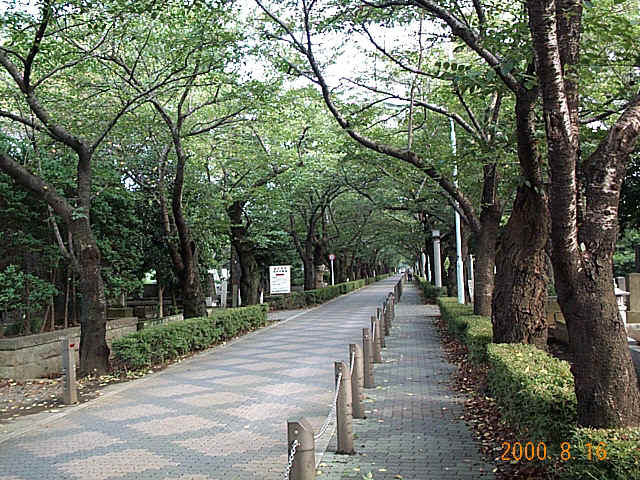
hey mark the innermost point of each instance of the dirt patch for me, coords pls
(19, 398)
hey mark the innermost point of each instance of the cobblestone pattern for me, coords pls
(413, 429)
(219, 415)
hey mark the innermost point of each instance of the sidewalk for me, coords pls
(413, 431)
(219, 415)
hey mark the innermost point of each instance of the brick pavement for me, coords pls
(413, 429)
(218, 415)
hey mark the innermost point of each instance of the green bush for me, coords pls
(473, 330)
(478, 335)
(430, 292)
(536, 394)
(167, 342)
(622, 449)
(454, 315)
(289, 301)
(295, 300)
(534, 390)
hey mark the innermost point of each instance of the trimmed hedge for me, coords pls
(289, 301)
(622, 447)
(478, 335)
(321, 295)
(294, 300)
(167, 342)
(473, 330)
(535, 392)
(430, 292)
(454, 314)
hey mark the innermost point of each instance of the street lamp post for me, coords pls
(436, 258)
(459, 262)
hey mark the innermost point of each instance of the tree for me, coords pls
(32, 82)
(584, 224)
(518, 306)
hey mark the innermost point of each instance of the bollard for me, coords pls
(70, 394)
(357, 381)
(304, 460)
(385, 316)
(380, 326)
(343, 410)
(367, 353)
(393, 307)
(375, 340)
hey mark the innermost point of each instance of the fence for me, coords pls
(348, 398)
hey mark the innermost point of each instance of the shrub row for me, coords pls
(294, 300)
(535, 392)
(622, 448)
(429, 291)
(473, 330)
(166, 342)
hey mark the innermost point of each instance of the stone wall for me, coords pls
(36, 356)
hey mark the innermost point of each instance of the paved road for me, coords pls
(413, 430)
(219, 415)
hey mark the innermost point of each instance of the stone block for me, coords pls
(633, 286)
(633, 317)
(119, 312)
(553, 311)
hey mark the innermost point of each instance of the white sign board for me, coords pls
(280, 279)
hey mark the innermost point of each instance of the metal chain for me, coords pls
(294, 446)
(353, 357)
(332, 412)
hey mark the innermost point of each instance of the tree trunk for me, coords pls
(487, 237)
(521, 267)
(485, 261)
(193, 303)
(94, 352)
(309, 277)
(606, 384)
(520, 291)
(85, 254)
(249, 281)
(250, 277)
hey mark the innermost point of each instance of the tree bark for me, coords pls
(485, 261)
(94, 352)
(249, 281)
(520, 292)
(521, 268)
(606, 384)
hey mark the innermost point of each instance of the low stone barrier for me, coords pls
(152, 322)
(39, 355)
